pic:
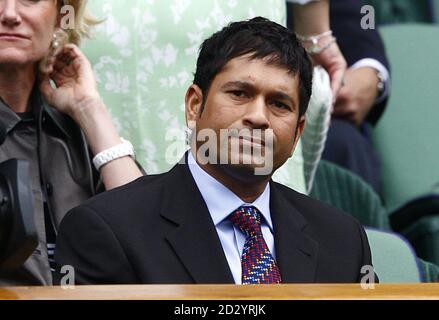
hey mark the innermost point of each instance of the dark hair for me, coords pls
(261, 38)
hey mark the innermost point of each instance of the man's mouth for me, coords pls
(252, 140)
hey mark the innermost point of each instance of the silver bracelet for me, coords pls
(121, 150)
(315, 48)
(314, 38)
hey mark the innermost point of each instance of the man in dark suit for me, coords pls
(217, 217)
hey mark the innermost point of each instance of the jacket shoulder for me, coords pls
(127, 197)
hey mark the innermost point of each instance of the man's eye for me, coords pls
(281, 105)
(238, 93)
(29, 1)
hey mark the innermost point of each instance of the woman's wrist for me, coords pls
(92, 106)
(95, 121)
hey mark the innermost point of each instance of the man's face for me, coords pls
(251, 97)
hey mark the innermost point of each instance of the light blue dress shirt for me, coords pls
(221, 202)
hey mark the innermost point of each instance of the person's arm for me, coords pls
(357, 96)
(310, 20)
(368, 64)
(76, 95)
(381, 71)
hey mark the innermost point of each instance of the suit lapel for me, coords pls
(194, 239)
(296, 253)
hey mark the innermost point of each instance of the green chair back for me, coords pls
(393, 258)
(342, 189)
(406, 137)
(424, 236)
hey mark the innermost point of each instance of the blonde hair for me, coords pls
(84, 21)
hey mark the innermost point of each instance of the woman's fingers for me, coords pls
(46, 88)
(337, 80)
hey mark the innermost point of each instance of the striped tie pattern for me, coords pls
(258, 265)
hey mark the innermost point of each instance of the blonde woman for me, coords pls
(54, 117)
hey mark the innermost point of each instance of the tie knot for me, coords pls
(248, 220)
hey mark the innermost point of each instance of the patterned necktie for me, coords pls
(258, 265)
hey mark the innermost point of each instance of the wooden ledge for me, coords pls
(225, 292)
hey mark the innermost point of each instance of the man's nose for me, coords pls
(9, 14)
(256, 114)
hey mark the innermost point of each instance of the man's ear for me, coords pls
(194, 104)
(299, 131)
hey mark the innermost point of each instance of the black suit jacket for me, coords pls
(158, 229)
(355, 43)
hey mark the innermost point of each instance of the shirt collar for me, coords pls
(9, 119)
(221, 201)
